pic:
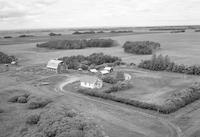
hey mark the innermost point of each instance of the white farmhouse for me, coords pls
(91, 82)
(56, 65)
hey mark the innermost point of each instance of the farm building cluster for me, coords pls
(91, 82)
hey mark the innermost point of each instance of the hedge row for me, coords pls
(77, 44)
(119, 86)
(163, 63)
(176, 102)
(141, 47)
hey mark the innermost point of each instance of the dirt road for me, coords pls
(118, 120)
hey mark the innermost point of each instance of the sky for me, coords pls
(28, 14)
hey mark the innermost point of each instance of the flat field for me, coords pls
(181, 47)
(154, 87)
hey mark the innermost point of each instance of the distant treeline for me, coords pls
(5, 58)
(78, 44)
(24, 35)
(121, 31)
(177, 31)
(141, 47)
(163, 63)
(85, 32)
(54, 34)
(166, 29)
(198, 30)
(86, 62)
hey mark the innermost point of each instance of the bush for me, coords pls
(19, 98)
(5, 58)
(77, 44)
(119, 86)
(33, 119)
(1, 110)
(22, 99)
(141, 47)
(109, 79)
(163, 63)
(35, 103)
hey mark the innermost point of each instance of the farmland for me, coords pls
(115, 118)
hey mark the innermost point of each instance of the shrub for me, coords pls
(13, 99)
(141, 47)
(5, 58)
(35, 103)
(121, 85)
(22, 99)
(77, 44)
(1, 110)
(33, 119)
(109, 79)
(19, 98)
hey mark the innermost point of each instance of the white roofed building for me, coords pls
(103, 72)
(110, 69)
(93, 70)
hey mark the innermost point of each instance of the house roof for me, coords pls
(93, 70)
(108, 68)
(89, 79)
(53, 63)
(104, 71)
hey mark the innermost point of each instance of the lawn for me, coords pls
(154, 87)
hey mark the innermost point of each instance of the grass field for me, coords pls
(181, 47)
(154, 87)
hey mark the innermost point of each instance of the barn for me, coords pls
(91, 82)
(56, 65)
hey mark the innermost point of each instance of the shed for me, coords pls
(91, 82)
(93, 70)
(56, 65)
(110, 69)
(103, 72)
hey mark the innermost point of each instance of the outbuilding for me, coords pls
(110, 69)
(91, 82)
(104, 72)
(56, 65)
(93, 70)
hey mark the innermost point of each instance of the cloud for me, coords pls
(78, 13)
(18, 8)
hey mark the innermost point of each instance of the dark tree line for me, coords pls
(86, 62)
(141, 47)
(77, 44)
(5, 58)
(163, 63)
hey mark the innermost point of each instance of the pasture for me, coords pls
(183, 48)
